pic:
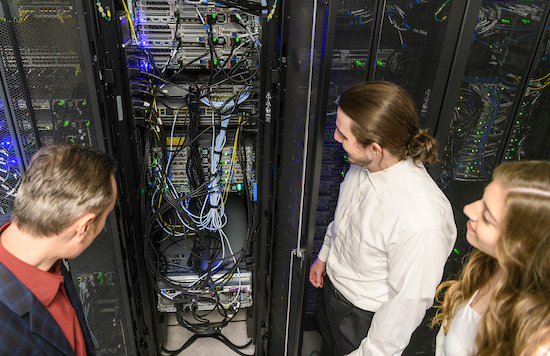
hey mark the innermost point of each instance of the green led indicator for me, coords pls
(214, 39)
(505, 21)
(66, 123)
(215, 62)
(213, 16)
(88, 123)
(380, 63)
(239, 187)
(526, 21)
(237, 39)
(358, 63)
(456, 251)
(84, 102)
(61, 102)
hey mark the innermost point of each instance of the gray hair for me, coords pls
(63, 182)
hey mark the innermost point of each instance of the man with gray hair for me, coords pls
(61, 206)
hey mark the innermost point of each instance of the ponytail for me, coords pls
(422, 147)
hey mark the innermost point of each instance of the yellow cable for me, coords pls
(538, 80)
(232, 164)
(542, 87)
(272, 12)
(131, 22)
(535, 80)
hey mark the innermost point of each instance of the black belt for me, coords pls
(340, 296)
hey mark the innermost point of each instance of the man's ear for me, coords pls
(376, 149)
(84, 225)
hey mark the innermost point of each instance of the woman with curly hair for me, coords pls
(500, 305)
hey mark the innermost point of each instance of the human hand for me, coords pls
(316, 273)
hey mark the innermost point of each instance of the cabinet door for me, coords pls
(530, 127)
(415, 43)
(50, 96)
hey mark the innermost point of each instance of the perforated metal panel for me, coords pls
(44, 63)
(14, 86)
(13, 117)
(52, 62)
(10, 174)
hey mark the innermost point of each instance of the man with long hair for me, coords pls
(393, 229)
(61, 206)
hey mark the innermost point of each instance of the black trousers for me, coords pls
(342, 325)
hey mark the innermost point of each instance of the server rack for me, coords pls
(194, 71)
(400, 42)
(361, 45)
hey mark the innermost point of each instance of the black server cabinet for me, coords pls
(346, 42)
(194, 76)
(60, 84)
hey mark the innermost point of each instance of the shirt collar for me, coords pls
(385, 178)
(44, 285)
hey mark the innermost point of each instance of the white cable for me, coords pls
(216, 218)
(238, 269)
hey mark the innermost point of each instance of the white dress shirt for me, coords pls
(386, 248)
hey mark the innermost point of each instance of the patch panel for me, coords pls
(165, 23)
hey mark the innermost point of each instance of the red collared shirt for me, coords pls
(49, 289)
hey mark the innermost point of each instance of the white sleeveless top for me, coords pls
(460, 339)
